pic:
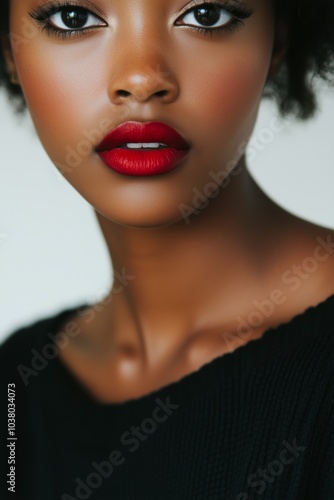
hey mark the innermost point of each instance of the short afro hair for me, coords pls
(310, 55)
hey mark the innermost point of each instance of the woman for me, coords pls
(207, 372)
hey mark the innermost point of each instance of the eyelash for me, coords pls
(42, 14)
(240, 13)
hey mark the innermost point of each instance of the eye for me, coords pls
(208, 15)
(72, 18)
(66, 19)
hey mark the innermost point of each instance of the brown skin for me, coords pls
(192, 281)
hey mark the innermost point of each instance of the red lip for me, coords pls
(145, 161)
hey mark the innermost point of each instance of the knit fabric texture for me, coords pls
(255, 423)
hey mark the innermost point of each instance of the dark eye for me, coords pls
(71, 18)
(208, 15)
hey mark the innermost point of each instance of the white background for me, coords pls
(52, 253)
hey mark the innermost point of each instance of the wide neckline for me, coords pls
(275, 341)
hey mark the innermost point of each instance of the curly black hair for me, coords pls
(310, 56)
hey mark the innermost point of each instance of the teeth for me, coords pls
(140, 145)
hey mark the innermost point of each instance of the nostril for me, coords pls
(123, 93)
(161, 93)
(140, 93)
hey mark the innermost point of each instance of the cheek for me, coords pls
(229, 93)
(240, 84)
(237, 89)
(66, 88)
(61, 90)
(228, 81)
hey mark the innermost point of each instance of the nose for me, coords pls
(141, 76)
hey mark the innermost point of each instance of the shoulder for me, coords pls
(22, 337)
(29, 342)
(310, 265)
(318, 353)
(18, 347)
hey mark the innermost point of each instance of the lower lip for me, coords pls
(143, 161)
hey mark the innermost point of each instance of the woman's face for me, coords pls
(143, 60)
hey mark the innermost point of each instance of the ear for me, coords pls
(9, 59)
(281, 43)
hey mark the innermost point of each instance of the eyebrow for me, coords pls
(222, 2)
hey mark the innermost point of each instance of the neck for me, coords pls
(174, 281)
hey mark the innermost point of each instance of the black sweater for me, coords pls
(257, 423)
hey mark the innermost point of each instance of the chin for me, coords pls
(139, 218)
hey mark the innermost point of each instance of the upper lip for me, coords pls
(138, 132)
